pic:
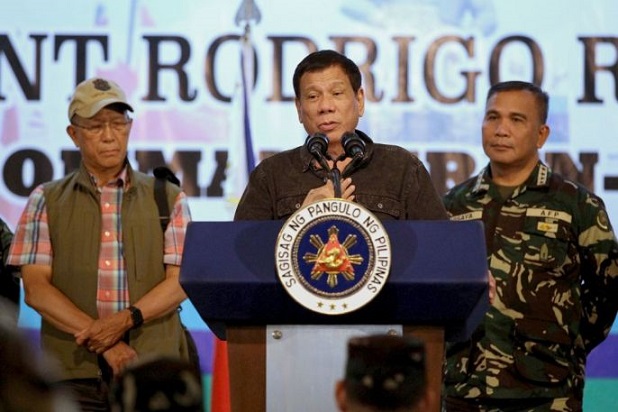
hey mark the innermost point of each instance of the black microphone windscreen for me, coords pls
(317, 143)
(353, 145)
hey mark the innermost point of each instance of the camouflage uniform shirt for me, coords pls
(553, 253)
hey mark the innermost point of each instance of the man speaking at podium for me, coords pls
(338, 160)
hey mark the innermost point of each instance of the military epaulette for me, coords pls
(542, 177)
(480, 184)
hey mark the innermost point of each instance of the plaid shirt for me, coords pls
(32, 244)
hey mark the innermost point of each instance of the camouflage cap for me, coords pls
(92, 95)
(385, 371)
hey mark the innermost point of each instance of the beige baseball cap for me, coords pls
(92, 95)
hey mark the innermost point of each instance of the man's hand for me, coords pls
(327, 191)
(119, 356)
(492, 287)
(101, 334)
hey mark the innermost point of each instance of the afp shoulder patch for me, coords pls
(603, 220)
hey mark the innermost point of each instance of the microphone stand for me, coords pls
(318, 151)
(335, 176)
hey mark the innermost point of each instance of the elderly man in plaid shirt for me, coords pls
(95, 263)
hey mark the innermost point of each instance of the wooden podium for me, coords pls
(436, 291)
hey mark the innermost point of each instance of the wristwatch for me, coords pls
(136, 317)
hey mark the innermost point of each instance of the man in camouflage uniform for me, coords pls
(553, 254)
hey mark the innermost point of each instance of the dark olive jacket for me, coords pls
(390, 181)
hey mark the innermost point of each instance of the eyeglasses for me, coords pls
(116, 126)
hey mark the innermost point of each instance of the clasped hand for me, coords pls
(492, 287)
(327, 191)
(102, 334)
(119, 356)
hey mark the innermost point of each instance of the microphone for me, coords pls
(353, 146)
(317, 144)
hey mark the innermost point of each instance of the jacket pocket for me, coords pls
(459, 358)
(545, 245)
(143, 259)
(288, 205)
(381, 206)
(542, 351)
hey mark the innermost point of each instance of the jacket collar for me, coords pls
(538, 179)
(87, 180)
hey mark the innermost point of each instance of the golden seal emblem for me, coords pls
(333, 256)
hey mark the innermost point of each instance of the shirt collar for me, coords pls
(538, 179)
(120, 180)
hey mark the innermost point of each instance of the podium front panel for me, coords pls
(303, 362)
(438, 277)
(437, 287)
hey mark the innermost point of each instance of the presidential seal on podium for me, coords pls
(333, 256)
